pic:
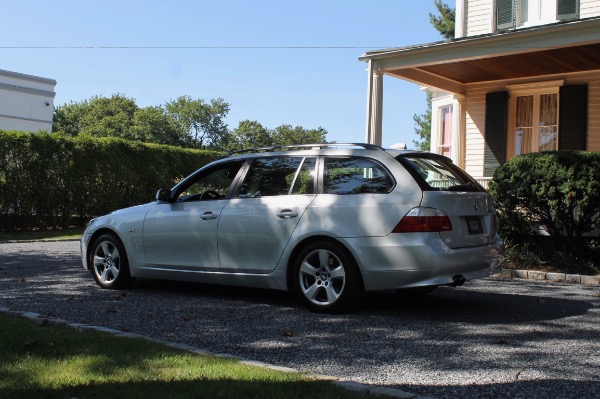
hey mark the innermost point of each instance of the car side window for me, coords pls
(213, 184)
(355, 176)
(277, 176)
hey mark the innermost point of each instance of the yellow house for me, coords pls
(520, 76)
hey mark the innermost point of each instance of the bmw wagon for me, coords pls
(327, 222)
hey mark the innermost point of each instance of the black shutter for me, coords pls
(505, 14)
(496, 126)
(572, 118)
(567, 9)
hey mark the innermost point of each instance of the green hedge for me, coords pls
(48, 180)
(552, 197)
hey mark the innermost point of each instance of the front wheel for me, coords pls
(110, 267)
(326, 278)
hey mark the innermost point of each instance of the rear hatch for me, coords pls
(451, 190)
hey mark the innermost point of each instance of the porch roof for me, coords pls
(564, 47)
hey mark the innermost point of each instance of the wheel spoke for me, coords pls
(105, 248)
(104, 276)
(338, 272)
(115, 255)
(114, 269)
(312, 291)
(308, 269)
(98, 261)
(332, 295)
(324, 258)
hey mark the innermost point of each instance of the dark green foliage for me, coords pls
(183, 122)
(550, 196)
(423, 128)
(444, 23)
(251, 134)
(49, 180)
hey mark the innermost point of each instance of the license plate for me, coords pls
(474, 225)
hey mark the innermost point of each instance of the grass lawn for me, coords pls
(66, 234)
(53, 362)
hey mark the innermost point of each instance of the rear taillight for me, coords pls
(423, 219)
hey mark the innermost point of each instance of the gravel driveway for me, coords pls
(492, 338)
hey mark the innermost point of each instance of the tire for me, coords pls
(326, 278)
(109, 264)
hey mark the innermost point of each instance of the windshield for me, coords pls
(439, 174)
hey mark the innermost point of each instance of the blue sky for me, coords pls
(276, 62)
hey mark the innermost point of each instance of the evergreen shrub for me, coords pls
(550, 202)
(53, 181)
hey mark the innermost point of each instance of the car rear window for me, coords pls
(437, 173)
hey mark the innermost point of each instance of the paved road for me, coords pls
(492, 338)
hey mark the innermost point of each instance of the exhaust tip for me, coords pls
(458, 280)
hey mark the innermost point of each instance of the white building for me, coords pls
(520, 76)
(26, 102)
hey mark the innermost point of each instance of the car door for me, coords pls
(182, 234)
(257, 223)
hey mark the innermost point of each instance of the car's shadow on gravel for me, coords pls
(468, 305)
(445, 304)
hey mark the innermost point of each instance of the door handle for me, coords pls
(208, 216)
(287, 214)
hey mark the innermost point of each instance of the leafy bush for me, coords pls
(48, 180)
(550, 196)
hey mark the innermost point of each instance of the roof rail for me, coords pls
(309, 146)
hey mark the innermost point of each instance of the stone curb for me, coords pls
(549, 276)
(83, 328)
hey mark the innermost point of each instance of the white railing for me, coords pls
(484, 181)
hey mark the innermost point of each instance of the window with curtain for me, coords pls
(536, 123)
(445, 146)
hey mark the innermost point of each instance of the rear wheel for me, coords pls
(110, 267)
(326, 278)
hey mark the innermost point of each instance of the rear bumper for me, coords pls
(401, 262)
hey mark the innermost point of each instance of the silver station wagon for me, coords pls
(325, 221)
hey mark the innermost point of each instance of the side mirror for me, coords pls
(163, 195)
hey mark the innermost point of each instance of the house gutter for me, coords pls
(561, 34)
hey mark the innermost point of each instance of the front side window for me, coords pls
(278, 176)
(211, 184)
(355, 176)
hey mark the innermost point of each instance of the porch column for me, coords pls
(459, 127)
(374, 105)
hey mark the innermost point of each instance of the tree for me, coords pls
(423, 127)
(99, 116)
(183, 122)
(154, 125)
(249, 134)
(444, 24)
(202, 124)
(288, 135)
